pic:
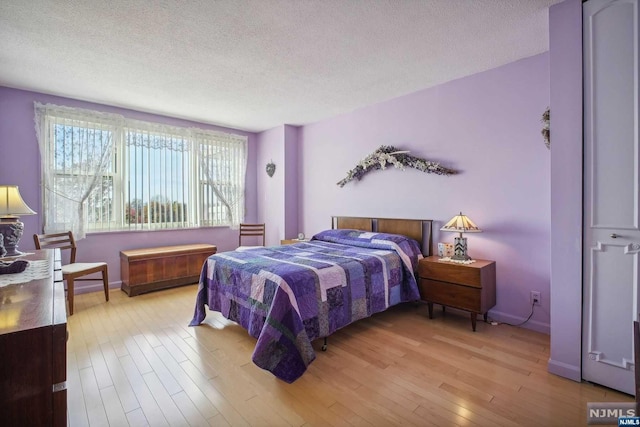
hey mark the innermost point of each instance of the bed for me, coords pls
(288, 296)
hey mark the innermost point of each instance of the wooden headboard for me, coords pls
(417, 229)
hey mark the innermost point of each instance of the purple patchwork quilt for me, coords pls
(288, 296)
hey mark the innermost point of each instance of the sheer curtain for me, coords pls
(103, 172)
(77, 148)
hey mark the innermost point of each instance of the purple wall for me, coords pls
(278, 195)
(20, 165)
(271, 196)
(487, 126)
(291, 174)
(565, 40)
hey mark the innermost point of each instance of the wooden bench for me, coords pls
(151, 269)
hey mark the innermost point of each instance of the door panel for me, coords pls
(611, 302)
(611, 188)
(612, 152)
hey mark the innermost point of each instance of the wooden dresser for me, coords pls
(33, 349)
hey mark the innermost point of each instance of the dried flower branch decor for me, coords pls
(388, 154)
(546, 132)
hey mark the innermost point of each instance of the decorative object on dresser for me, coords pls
(469, 287)
(33, 348)
(152, 269)
(390, 155)
(460, 224)
(13, 267)
(11, 208)
(73, 271)
(445, 250)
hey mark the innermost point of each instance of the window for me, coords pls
(102, 172)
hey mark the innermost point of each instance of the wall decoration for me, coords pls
(388, 154)
(271, 168)
(546, 132)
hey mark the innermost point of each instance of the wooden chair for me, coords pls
(74, 270)
(252, 231)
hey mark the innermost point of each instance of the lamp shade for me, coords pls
(11, 203)
(461, 224)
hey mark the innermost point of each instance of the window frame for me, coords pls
(120, 174)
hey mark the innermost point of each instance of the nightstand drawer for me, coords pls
(451, 272)
(464, 297)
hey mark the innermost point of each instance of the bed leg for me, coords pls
(324, 346)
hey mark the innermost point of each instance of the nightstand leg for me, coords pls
(473, 321)
(430, 307)
(485, 317)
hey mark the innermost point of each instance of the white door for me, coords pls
(611, 190)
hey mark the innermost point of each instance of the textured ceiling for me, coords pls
(257, 64)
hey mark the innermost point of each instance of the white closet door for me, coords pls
(611, 233)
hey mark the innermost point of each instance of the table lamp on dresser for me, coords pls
(11, 208)
(460, 224)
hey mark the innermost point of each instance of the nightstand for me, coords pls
(469, 287)
(292, 241)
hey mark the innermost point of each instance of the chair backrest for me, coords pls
(251, 230)
(60, 241)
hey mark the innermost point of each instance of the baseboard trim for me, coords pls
(95, 287)
(564, 370)
(534, 325)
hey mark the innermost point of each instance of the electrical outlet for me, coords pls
(535, 297)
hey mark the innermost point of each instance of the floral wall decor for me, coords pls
(546, 132)
(271, 168)
(388, 154)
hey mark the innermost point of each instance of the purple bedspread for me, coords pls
(288, 296)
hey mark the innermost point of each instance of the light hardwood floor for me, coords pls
(134, 361)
